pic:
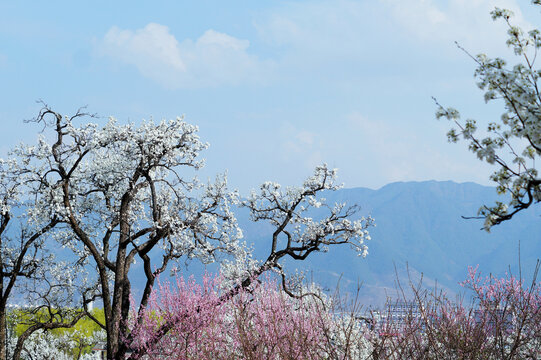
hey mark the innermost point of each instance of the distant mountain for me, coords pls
(419, 225)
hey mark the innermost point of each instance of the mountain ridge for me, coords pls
(420, 226)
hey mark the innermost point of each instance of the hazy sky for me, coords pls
(276, 87)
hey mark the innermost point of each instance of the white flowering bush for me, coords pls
(45, 345)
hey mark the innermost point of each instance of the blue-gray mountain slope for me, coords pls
(419, 224)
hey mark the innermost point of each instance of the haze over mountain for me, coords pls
(419, 224)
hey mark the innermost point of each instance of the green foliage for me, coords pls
(83, 335)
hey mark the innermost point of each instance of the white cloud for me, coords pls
(326, 30)
(319, 29)
(213, 38)
(152, 49)
(466, 21)
(213, 59)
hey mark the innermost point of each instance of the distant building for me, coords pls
(396, 315)
(495, 319)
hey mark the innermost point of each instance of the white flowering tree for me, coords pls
(119, 191)
(118, 194)
(513, 142)
(29, 272)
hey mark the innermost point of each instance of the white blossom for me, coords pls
(512, 143)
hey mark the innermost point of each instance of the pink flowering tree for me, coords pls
(509, 312)
(193, 308)
(260, 322)
(502, 322)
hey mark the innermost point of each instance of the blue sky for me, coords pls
(276, 87)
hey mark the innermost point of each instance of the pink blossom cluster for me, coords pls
(261, 322)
